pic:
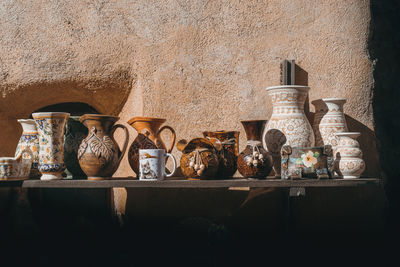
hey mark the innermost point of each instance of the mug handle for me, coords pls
(126, 139)
(174, 161)
(173, 136)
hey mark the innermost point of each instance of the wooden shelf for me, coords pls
(232, 183)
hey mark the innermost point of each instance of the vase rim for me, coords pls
(349, 134)
(254, 120)
(97, 116)
(50, 114)
(220, 131)
(26, 121)
(299, 87)
(7, 159)
(329, 99)
(145, 119)
(75, 117)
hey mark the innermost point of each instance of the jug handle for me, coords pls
(173, 136)
(126, 139)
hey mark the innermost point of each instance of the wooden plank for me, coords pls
(11, 183)
(233, 183)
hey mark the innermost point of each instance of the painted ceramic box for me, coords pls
(307, 162)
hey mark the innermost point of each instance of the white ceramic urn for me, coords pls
(348, 156)
(328, 120)
(288, 123)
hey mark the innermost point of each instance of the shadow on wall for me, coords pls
(368, 146)
(74, 108)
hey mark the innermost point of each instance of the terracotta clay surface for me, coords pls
(98, 154)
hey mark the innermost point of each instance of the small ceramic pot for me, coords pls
(74, 134)
(199, 159)
(328, 120)
(254, 161)
(348, 156)
(29, 139)
(288, 124)
(229, 152)
(99, 155)
(51, 129)
(18, 167)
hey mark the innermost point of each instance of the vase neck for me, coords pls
(28, 126)
(101, 127)
(288, 100)
(144, 127)
(254, 129)
(254, 143)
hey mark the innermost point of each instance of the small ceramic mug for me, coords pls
(152, 164)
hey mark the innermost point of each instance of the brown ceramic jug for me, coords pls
(199, 159)
(229, 152)
(254, 161)
(99, 155)
(148, 138)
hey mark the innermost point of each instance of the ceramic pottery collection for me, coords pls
(307, 162)
(328, 120)
(148, 137)
(254, 161)
(74, 134)
(348, 156)
(199, 158)
(51, 128)
(99, 155)
(152, 164)
(288, 123)
(282, 146)
(29, 139)
(18, 167)
(229, 152)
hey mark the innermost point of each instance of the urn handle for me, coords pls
(126, 139)
(173, 136)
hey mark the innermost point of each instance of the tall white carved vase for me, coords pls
(288, 123)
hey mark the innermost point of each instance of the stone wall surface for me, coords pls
(202, 65)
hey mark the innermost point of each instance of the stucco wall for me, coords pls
(202, 65)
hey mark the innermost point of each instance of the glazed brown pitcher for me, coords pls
(148, 138)
(99, 155)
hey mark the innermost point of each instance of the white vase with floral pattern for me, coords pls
(51, 128)
(328, 120)
(29, 139)
(348, 156)
(288, 124)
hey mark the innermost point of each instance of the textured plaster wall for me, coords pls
(202, 65)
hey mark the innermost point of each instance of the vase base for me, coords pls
(350, 177)
(97, 178)
(51, 176)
